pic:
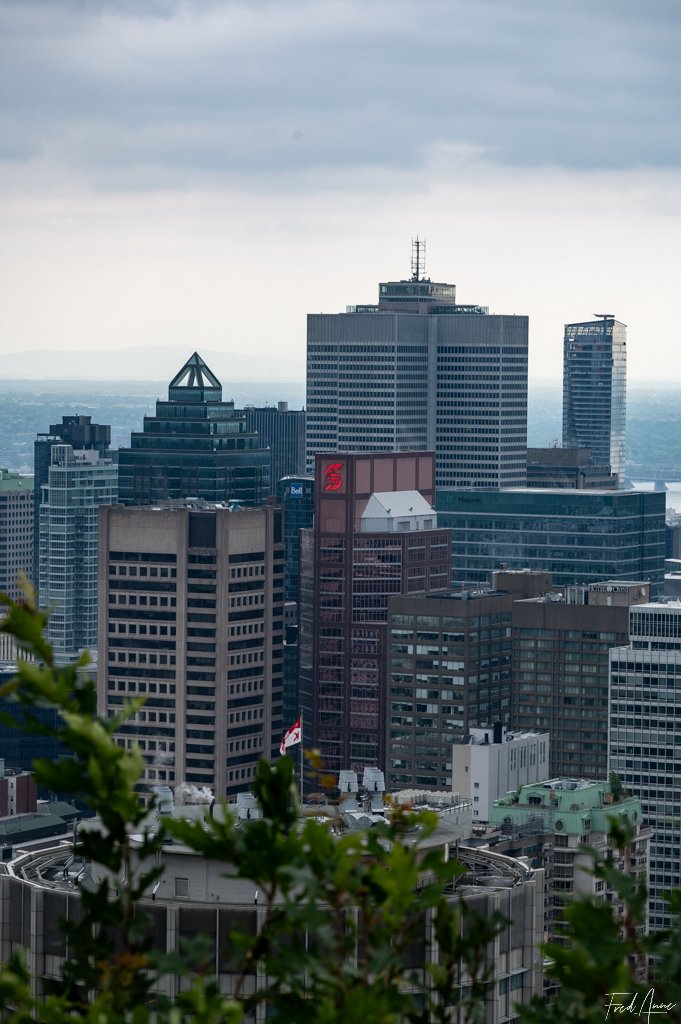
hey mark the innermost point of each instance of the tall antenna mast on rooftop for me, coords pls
(418, 258)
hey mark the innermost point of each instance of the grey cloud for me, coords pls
(142, 92)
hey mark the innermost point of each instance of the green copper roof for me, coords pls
(15, 484)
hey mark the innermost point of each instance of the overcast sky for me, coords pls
(206, 173)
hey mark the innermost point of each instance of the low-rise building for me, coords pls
(487, 763)
(572, 814)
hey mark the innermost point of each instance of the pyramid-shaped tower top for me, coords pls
(195, 382)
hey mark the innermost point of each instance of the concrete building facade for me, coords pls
(16, 530)
(571, 814)
(192, 619)
(449, 671)
(644, 742)
(561, 644)
(417, 371)
(487, 763)
(198, 897)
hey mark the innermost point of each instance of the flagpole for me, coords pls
(301, 761)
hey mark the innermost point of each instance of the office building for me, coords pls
(567, 467)
(193, 597)
(569, 815)
(644, 748)
(487, 763)
(561, 643)
(195, 446)
(577, 536)
(16, 530)
(195, 897)
(375, 535)
(417, 371)
(296, 495)
(450, 662)
(595, 390)
(78, 483)
(83, 435)
(282, 430)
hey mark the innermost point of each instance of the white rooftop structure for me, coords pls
(397, 512)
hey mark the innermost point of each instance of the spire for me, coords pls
(195, 382)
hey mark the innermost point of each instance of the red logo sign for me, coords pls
(333, 477)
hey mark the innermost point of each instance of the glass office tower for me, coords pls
(595, 389)
(195, 446)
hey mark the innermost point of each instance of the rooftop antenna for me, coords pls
(418, 258)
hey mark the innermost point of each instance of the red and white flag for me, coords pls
(291, 737)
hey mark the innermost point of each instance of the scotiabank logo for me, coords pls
(334, 481)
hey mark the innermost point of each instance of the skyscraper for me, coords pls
(82, 435)
(78, 483)
(282, 430)
(561, 643)
(16, 530)
(192, 600)
(195, 446)
(577, 536)
(375, 534)
(643, 739)
(418, 371)
(594, 390)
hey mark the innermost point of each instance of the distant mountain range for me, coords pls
(150, 362)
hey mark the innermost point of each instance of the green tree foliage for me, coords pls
(341, 911)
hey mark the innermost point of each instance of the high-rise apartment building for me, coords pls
(561, 643)
(644, 739)
(16, 530)
(595, 390)
(195, 446)
(282, 430)
(578, 536)
(192, 600)
(417, 371)
(375, 535)
(78, 482)
(83, 435)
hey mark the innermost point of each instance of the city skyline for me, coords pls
(164, 165)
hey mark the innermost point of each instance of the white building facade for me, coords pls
(418, 371)
(488, 763)
(644, 740)
(78, 483)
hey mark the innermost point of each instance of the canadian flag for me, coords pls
(291, 737)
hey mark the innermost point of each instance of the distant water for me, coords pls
(673, 491)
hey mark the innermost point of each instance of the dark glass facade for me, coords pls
(578, 536)
(195, 446)
(282, 430)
